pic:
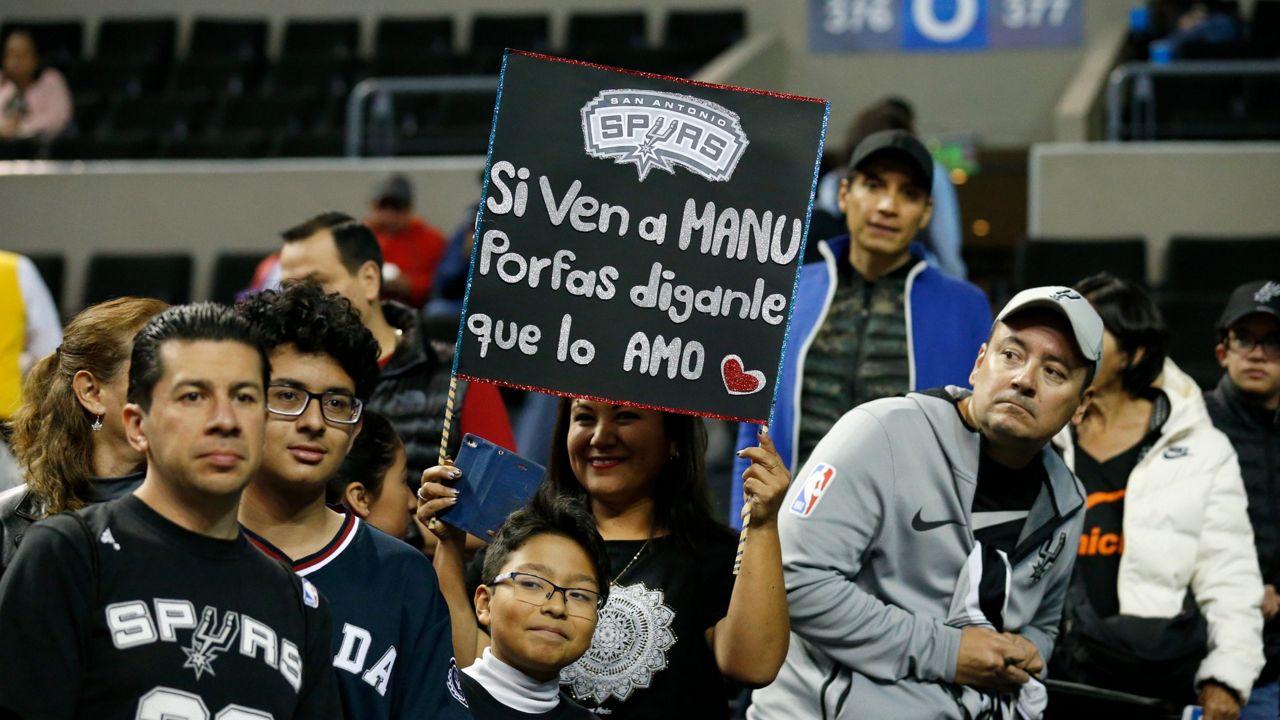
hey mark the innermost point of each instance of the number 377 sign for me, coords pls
(942, 25)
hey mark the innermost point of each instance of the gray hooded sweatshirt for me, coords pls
(882, 568)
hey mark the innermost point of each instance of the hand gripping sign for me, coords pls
(639, 238)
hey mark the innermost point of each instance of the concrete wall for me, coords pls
(1005, 98)
(203, 208)
(1156, 190)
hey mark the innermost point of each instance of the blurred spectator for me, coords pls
(69, 435)
(34, 101)
(1201, 23)
(411, 249)
(29, 326)
(943, 237)
(873, 319)
(1165, 597)
(1246, 406)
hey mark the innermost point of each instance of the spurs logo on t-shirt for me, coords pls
(132, 624)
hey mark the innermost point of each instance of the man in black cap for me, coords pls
(411, 249)
(1246, 408)
(873, 319)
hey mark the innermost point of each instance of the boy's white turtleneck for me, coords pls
(513, 688)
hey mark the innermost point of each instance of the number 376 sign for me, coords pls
(942, 25)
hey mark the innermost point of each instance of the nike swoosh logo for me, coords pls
(921, 525)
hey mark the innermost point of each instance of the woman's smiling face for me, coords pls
(616, 452)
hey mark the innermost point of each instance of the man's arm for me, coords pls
(44, 327)
(46, 600)
(824, 544)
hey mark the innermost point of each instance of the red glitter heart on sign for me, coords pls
(737, 379)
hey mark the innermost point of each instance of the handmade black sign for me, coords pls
(639, 238)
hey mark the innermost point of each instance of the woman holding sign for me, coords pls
(677, 622)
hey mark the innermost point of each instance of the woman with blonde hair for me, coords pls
(68, 436)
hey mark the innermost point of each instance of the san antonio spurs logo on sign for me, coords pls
(629, 647)
(659, 130)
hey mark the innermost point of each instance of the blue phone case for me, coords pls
(495, 482)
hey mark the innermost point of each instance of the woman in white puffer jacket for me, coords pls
(1167, 510)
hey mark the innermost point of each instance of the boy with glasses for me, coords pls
(391, 628)
(545, 579)
(1245, 406)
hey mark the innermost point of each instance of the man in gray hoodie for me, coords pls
(928, 542)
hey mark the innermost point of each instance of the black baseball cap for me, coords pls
(901, 143)
(1259, 296)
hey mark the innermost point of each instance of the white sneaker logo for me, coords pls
(107, 539)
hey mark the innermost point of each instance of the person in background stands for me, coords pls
(29, 326)
(343, 256)
(369, 483)
(69, 435)
(34, 100)
(1246, 407)
(1166, 575)
(873, 319)
(411, 249)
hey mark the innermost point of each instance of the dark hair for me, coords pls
(1129, 314)
(356, 243)
(881, 116)
(185, 323)
(301, 314)
(682, 504)
(51, 432)
(371, 456)
(548, 515)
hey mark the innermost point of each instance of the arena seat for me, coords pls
(232, 272)
(591, 33)
(163, 276)
(1213, 266)
(245, 39)
(321, 39)
(1064, 261)
(1192, 335)
(53, 269)
(144, 41)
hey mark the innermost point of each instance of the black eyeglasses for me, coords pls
(1243, 342)
(336, 407)
(537, 590)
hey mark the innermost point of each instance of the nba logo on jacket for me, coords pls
(812, 490)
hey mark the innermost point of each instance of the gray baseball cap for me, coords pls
(1085, 323)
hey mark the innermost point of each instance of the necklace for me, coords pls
(634, 558)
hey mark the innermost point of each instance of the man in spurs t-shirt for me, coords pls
(155, 605)
(391, 647)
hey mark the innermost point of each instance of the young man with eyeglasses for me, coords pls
(1245, 406)
(545, 578)
(391, 639)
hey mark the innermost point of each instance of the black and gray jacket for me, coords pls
(413, 391)
(1254, 431)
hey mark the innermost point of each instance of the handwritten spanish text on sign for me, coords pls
(639, 238)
